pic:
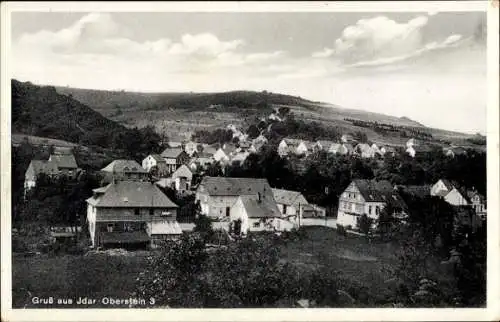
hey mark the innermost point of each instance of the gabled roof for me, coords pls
(125, 166)
(289, 197)
(447, 183)
(157, 157)
(66, 161)
(227, 186)
(182, 171)
(172, 153)
(43, 166)
(265, 208)
(373, 191)
(131, 194)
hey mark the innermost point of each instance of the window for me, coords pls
(256, 224)
(369, 210)
(137, 211)
(110, 228)
(151, 211)
(377, 210)
(284, 209)
(127, 226)
(228, 211)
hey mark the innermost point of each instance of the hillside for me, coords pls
(177, 114)
(41, 111)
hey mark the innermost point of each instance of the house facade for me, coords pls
(56, 165)
(155, 161)
(218, 194)
(478, 202)
(290, 203)
(191, 147)
(364, 150)
(294, 146)
(456, 197)
(441, 188)
(367, 197)
(125, 170)
(130, 214)
(174, 158)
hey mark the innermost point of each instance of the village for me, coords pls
(132, 211)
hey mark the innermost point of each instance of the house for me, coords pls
(182, 178)
(349, 148)
(322, 145)
(291, 204)
(294, 146)
(457, 197)
(441, 188)
(454, 151)
(478, 202)
(364, 150)
(174, 158)
(127, 214)
(57, 164)
(209, 150)
(388, 151)
(124, 170)
(256, 214)
(201, 162)
(261, 139)
(225, 154)
(239, 157)
(37, 167)
(337, 148)
(191, 147)
(274, 117)
(245, 147)
(368, 197)
(376, 150)
(414, 150)
(256, 147)
(347, 138)
(218, 194)
(155, 161)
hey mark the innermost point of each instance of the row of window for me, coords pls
(137, 212)
(352, 207)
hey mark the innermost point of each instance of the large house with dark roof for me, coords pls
(368, 197)
(130, 214)
(218, 194)
(57, 164)
(122, 169)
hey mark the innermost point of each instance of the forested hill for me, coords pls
(41, 111)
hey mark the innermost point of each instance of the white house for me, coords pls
(257, 214)
(457, 198)
(155, 160)
(441, 188)
(291, 204)
(368, 197)
(364, 150)
(191, 147)
(294, 146)
(218, 194)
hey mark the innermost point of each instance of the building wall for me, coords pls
(455, 198)
(282, 148)
(437, 187)
(215, 206)
(301, 149)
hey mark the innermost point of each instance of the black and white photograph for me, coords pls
(245, 157)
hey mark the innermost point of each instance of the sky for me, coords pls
(428, 66)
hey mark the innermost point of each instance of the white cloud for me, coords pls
(379, 38)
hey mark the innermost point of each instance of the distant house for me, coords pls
(457, 197)
(191, 147)
(209, 150)
(125, 170)
(155, 160)
(376, 150)
(347, 138)
(57, 164)
(132, 214)
(37, 167)
(239, 157)
(245, 147)
(256, 214)
(338, 148)
(388, 151)
(323, 145)
(368, 197)
(415, 150)
(218, 194)
(441, 188)
(261, 139)
(174, 158)
(201, 162)
(454, 151)
(290, 203)
(478, 202)
(274, 117)
(294, 146)
(349, 148)
(182, 178)
(225, 154)
(364, 150)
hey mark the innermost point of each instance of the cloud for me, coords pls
(379, 38)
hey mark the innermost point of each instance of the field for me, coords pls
(362, 268)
